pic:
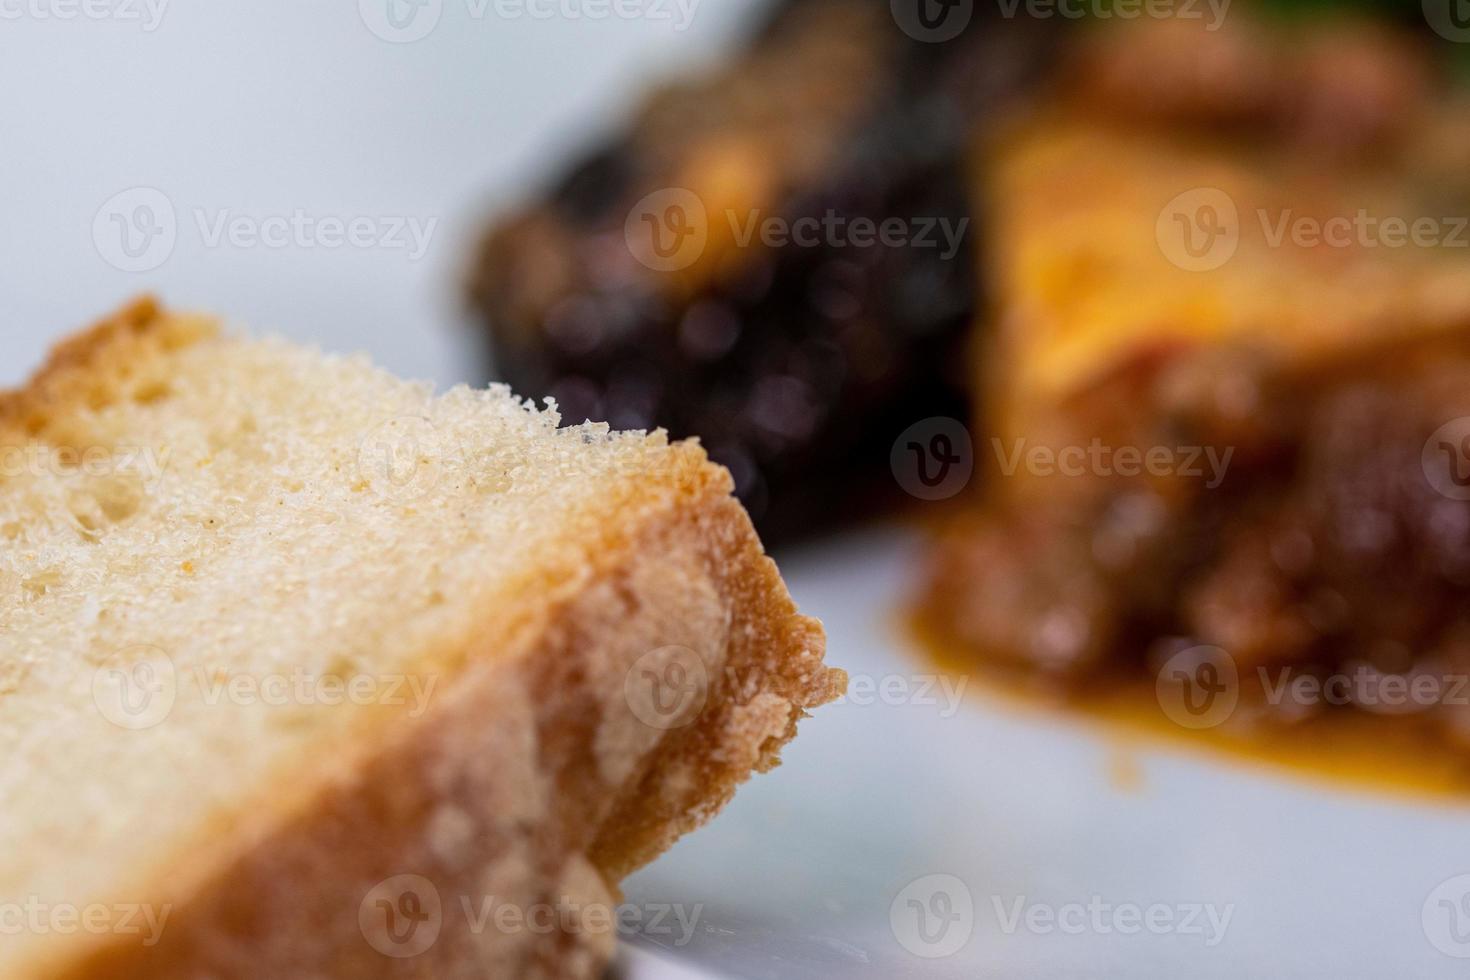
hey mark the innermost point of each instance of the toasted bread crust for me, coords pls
(530, 781)
(97, 364)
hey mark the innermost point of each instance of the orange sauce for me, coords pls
(1354, 750)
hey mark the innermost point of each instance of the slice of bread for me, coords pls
(302, 666)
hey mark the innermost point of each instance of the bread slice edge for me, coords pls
(529, 780)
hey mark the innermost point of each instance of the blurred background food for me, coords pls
(1262, 284)
(1223, 242)
(795, 365)
(798, 364)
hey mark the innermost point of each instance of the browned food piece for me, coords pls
(798, 364)
(1223, 390)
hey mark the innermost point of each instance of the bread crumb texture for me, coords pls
(277, 626)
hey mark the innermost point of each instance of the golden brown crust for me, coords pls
(97, 365)
(532, 780)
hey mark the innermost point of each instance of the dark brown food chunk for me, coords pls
(1309, 396)
(797, 365)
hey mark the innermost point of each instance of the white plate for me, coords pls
(810, 871)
